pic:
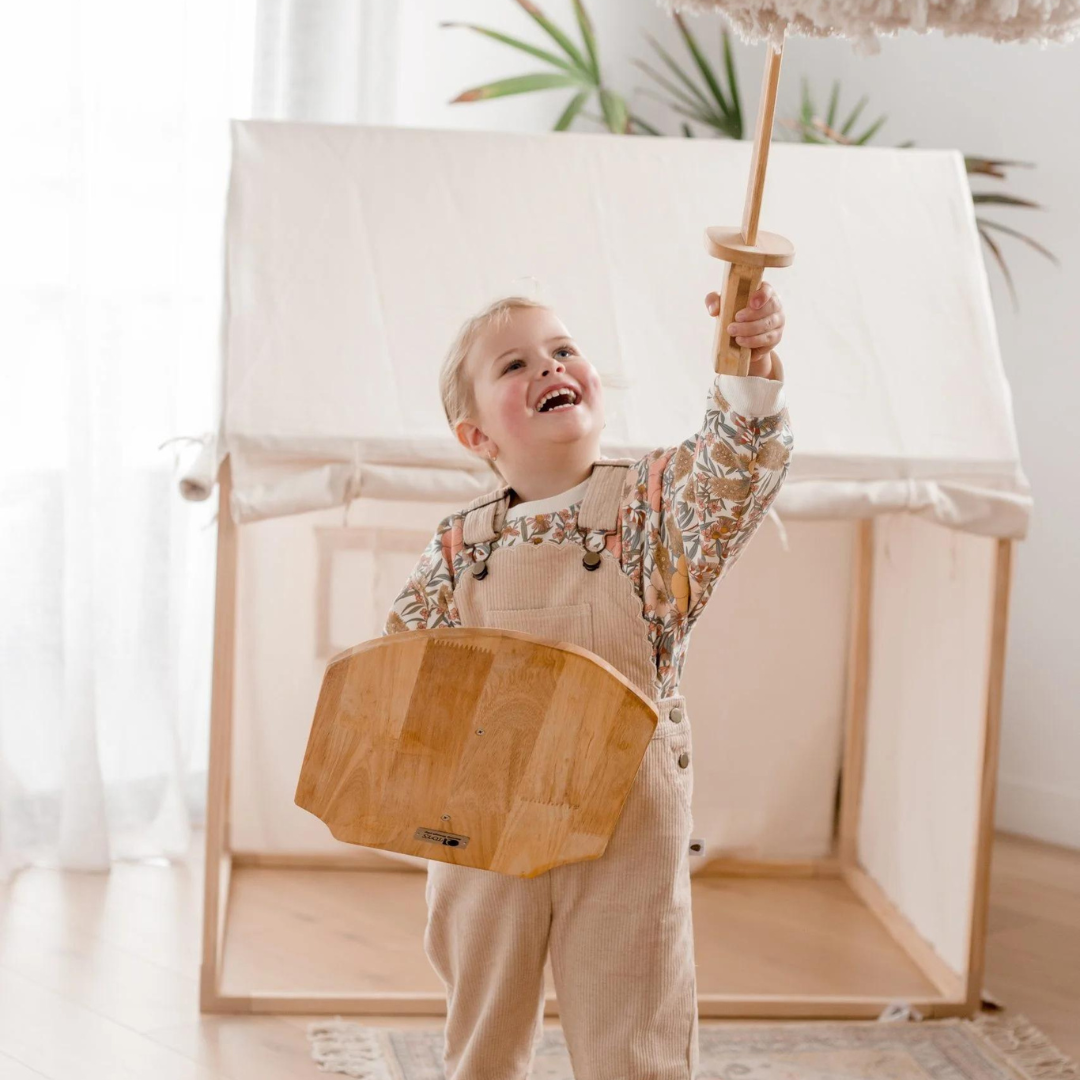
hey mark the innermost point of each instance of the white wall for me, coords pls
(1015, 102)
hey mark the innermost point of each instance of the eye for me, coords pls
(511, 364)
(565, 349)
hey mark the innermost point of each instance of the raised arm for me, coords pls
(696, 505)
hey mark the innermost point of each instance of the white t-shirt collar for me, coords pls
(563, 501)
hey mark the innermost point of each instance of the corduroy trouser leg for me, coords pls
(619, 930)
(487, 939)
(622, 943)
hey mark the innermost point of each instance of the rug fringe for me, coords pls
(897, 1011)
(1023, 1045)
(341, 1046)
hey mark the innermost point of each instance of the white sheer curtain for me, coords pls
(329, 61)
(115, 131)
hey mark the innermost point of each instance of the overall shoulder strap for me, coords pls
(603, 496)
(483, 517)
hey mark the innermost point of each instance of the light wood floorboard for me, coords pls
(99, 972)
(340, 931)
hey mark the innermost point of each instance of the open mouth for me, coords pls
(558, 400)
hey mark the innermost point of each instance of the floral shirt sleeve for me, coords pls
(426, 601)
(689, 510)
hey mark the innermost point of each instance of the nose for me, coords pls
(558, 367)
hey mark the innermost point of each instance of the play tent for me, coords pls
(845, 738)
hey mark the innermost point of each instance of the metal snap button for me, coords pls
(684, 760)
(676, 715)
(591, 560)
(479, 569)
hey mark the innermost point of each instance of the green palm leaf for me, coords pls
(695, 115)
(709, 106)
(1004, 200)
(563, 41)
(806, 110)
(850, 122)
(585, 25)
(697, 102)
(675, 70)
(524, 46)
(870, 132)
(816, 130)
(615, 111)
(645, 126)
(1001, 262)
(991, 166)
(519, 84)
(733, 86)
(834, 100)
(571, 110)
(984, 223)
(702, 63)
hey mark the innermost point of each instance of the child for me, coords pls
(617, 556)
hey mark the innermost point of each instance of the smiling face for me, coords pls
(513, 370)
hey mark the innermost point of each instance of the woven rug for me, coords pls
(986, 1048)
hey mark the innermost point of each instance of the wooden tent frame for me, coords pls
(957, 995)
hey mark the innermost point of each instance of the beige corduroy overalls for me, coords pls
(619, 927)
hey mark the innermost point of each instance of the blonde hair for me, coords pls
(455, 386)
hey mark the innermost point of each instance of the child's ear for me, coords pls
(470, 436)
(461, 433)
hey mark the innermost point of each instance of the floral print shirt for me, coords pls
(687, 512)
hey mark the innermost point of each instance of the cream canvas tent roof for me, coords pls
(355, 253)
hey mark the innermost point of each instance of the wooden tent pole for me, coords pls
(858, 682)
(747, 250)
(984, 842)
(218, 865)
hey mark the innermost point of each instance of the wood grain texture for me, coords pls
(486, 748)
(755, 182)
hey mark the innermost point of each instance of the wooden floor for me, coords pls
(99, 972)
(336, 931)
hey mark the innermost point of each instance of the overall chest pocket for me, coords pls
(571, 623)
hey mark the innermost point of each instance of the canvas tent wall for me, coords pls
(850, 730)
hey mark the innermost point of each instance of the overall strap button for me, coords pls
(676, 715)
(591, 560)
(479, 569)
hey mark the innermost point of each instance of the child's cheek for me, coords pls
(594, 385)
(514, 412)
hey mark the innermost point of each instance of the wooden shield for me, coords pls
(481, 747)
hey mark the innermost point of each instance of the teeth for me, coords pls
(557, 393)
